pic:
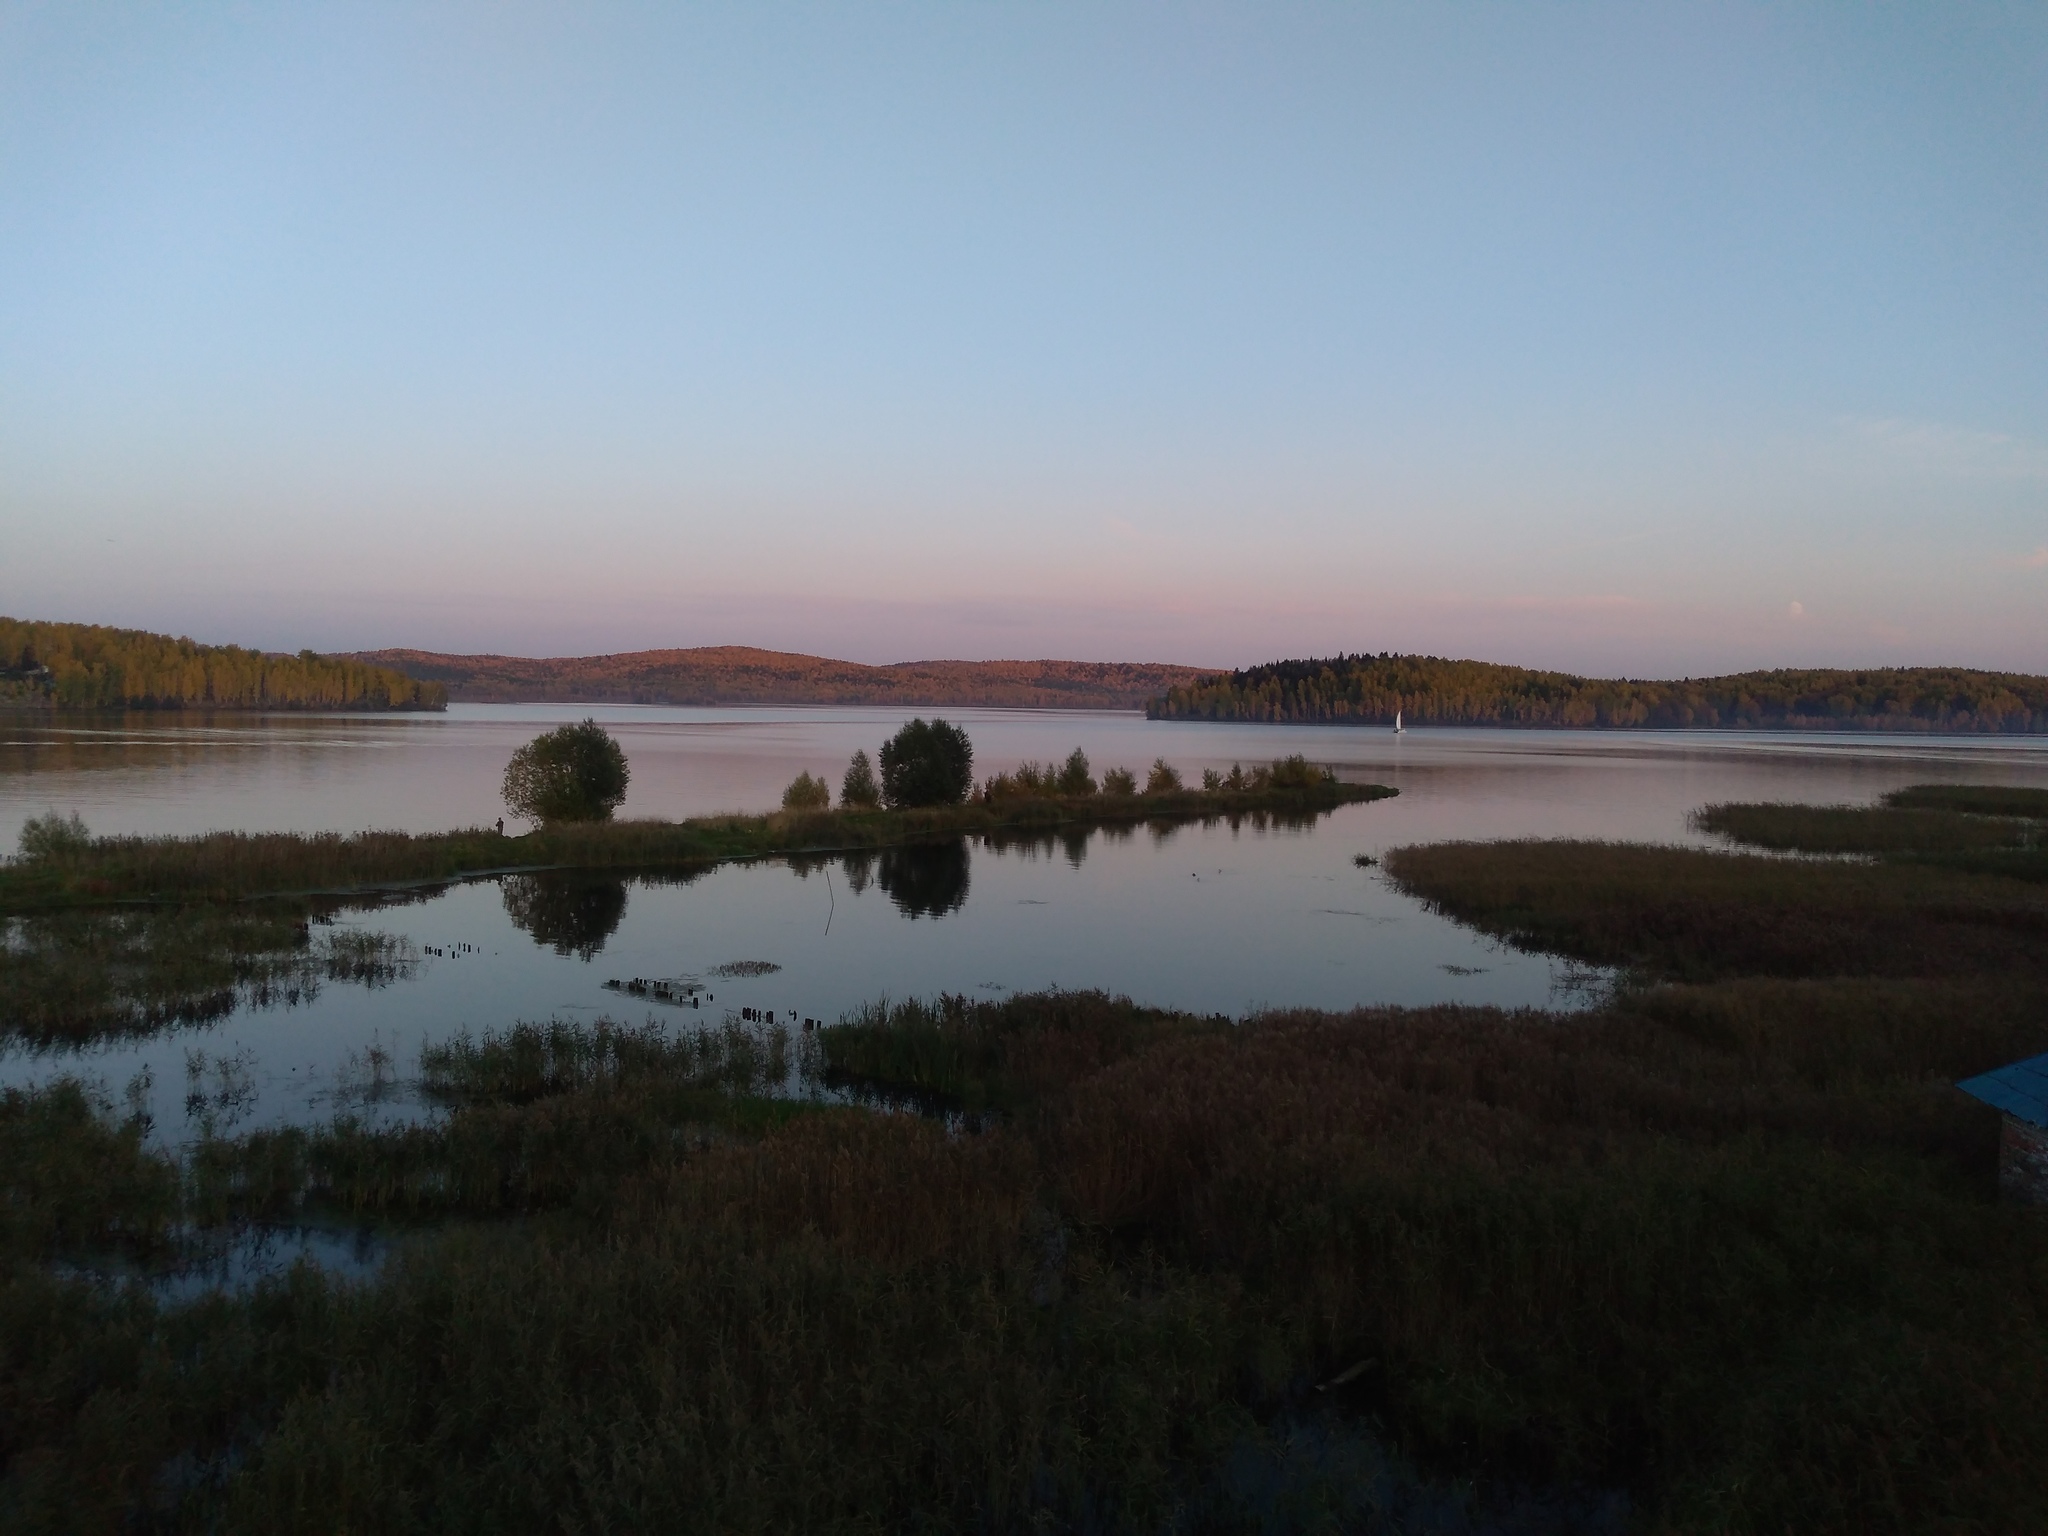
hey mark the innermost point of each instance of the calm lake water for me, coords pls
(1214, 918)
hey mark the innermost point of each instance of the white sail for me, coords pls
(1397, 722)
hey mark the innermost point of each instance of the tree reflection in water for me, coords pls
(925, 879)
(571, 914)
(860, 871)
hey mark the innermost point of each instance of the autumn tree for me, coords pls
(806, 792)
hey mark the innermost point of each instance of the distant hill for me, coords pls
(90, 666)
(1427, 690)
(736, 674)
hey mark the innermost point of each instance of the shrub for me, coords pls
(859, 791)
(1119, 781)
(806, 793)
(1297, 772)
(1025, 781)
(53, 837)
(927, 763)
(572, 773)
(1164, 779)
(1074, 776)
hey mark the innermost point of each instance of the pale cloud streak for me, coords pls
(1968, 452)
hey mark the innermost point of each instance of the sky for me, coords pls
(1629, 339)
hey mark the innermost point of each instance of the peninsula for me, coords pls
(1429, 690)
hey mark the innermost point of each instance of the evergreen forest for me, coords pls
(1428, 690)
(92, 666)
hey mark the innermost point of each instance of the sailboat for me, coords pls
(1398, 726)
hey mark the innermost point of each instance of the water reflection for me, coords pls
(925, 879)
(1072, 841)
(569, 913)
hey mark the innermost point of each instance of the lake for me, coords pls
(1214, 918)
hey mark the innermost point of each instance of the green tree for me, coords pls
(806, 793)
(53, 837)
(1074, 777)
(859, 791)
(927, 763)
(572, 773)
(1297, 772)
(1164, 779)
(1119, 781)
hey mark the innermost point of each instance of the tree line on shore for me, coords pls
(93, 666)
(1429, 690)
(932, 763)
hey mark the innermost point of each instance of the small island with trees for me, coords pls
(569, 781)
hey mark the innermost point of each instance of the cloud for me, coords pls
(2033, 560)
(1968, 452)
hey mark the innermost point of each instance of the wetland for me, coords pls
(1566, 1143)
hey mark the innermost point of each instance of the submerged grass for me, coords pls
(69, 976)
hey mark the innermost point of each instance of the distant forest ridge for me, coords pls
(1427, 690)
(735, 674)
(90, 666)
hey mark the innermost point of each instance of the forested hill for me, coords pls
(89, 666)
(732, 674)
(1367, 690)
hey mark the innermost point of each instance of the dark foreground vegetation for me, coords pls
(1427, 690)
(238, 865)
(90, 666)
(1720, 1254)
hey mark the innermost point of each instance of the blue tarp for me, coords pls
(2021, 1090)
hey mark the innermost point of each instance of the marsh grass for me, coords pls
(1972, 799)
(953, 1052)
(1984, 831)
(1691, 1242)
(1865, 829)
(76, 1178)
(1692, 914)
(1717, 1255)
(531, 1061)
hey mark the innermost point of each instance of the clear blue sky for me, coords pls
(1626, 338)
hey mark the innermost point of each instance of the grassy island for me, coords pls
(227, 866)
